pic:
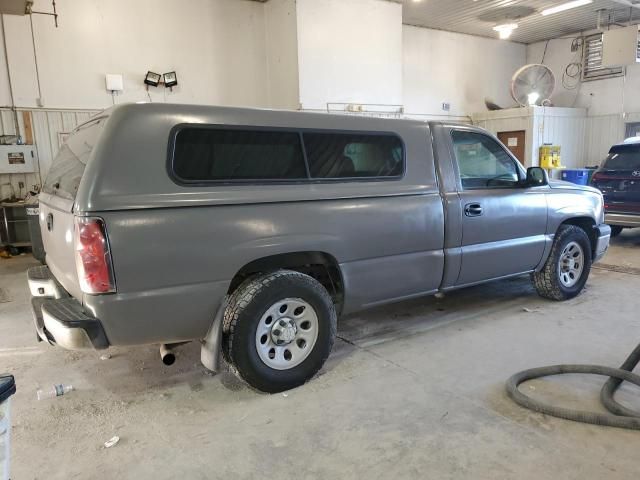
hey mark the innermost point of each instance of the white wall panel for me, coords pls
(602, 132)
(461, 70)
(217, 48)
(7, 123)
(349, 51)
(563, 127)
(281, 33)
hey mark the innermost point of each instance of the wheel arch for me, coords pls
(322, 266)
(588, 224)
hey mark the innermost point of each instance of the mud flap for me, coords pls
(210, 350)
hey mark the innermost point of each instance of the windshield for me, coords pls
(623, 157)
(68, 166)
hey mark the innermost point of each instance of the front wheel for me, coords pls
(566, 270)
(278, 330)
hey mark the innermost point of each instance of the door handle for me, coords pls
(473, 209)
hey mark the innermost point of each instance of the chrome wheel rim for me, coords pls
(286, 333)
(571, 264)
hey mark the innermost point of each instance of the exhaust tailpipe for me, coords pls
(166, 354)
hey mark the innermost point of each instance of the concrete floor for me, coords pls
(414, 390)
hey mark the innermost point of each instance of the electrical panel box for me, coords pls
(621, 46)
(18, 158)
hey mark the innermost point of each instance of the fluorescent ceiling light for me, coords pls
(566, 6)
(505, 30)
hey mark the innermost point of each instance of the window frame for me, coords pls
(519, 168)
(176, 129)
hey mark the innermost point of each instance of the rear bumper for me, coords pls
(602, 244)
(59, 318)
(622, 219)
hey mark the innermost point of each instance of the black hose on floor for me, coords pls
(621, 416)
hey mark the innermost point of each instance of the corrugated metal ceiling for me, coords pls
(470, 16)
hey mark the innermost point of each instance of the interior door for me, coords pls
(503, 223)
(514, 141)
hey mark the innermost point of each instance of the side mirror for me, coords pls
(536, 177)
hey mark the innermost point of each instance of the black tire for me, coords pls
(248, 304)
(547, 281)
(616, 230)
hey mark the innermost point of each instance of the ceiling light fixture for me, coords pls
(505, 30)
(566, 6)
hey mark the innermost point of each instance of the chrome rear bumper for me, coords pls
(59, 318)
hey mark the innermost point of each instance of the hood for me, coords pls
(553, 183)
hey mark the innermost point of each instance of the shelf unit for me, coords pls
(14, 225)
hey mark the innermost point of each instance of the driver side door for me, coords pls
(503, 223)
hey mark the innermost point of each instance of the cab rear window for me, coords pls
(67, 169)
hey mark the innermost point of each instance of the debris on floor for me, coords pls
(55, 391)
(106, 356)
(531, 310)
(112, 442)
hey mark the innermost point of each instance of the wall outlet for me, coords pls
(20, 185)
(446, 106)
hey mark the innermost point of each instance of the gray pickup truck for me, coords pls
(252, 230)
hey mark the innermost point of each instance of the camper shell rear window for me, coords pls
(67, 169)
(212, 154)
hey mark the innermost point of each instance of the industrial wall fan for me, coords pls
(533, 85)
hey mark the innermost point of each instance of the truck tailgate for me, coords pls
(57, 227)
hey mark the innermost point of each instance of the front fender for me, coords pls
(573, 204)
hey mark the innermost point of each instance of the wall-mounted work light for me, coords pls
(152, 79)
(170, 79)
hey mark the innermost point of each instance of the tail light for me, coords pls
(93, 257)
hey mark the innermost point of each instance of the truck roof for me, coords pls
(214, 111)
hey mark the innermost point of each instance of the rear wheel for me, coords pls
(566, 270)
(616, 230)
(278, 330)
